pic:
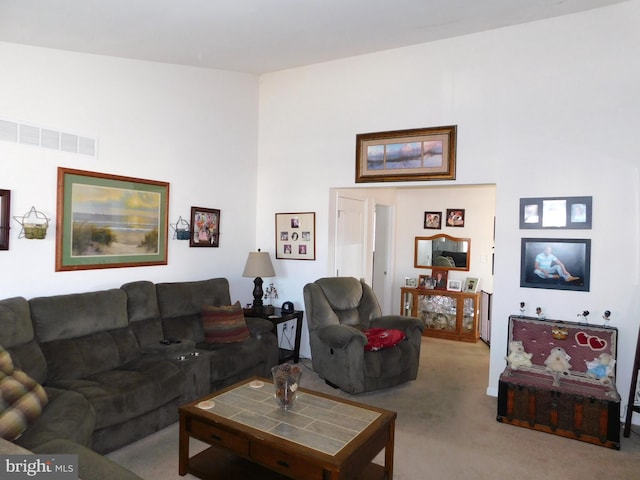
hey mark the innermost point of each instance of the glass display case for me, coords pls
(450, 315)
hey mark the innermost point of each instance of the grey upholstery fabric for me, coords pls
(338, 310)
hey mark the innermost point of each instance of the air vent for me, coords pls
(34, 135)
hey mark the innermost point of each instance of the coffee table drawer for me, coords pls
(285, 463)
(219, 438)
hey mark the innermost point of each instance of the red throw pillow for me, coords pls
(224, 324)
(379, 338)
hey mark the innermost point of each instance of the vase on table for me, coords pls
(286, 380)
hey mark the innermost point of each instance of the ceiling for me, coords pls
(258, 36)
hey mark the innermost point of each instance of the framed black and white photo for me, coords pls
(555, 263)
(556, 212)
(454, 285)
(471, 285)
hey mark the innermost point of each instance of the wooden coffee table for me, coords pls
(321, 437)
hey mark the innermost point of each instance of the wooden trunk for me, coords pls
(573, 405)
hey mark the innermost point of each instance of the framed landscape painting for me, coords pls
(110, 221)
(406, 155)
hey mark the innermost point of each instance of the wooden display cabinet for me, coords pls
(450, 315)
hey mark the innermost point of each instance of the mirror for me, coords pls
(442, 251)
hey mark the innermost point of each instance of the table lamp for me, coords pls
(258, 266)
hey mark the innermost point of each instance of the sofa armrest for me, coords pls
(340, 336)
(409, 325)
(10, 448)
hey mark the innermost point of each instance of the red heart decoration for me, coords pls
(582, 338)
(597, 343)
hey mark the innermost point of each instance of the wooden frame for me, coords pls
(455, 217)
(110, 221)
(574, 254)
(426, 253)
(406, 155)
(205, 227)
(5, 212)
(440, 277)
(296, 236)
(556, 212)
(433, 220)
(426, 282)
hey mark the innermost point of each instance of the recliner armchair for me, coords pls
(338, 309)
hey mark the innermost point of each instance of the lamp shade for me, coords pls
(259, 265)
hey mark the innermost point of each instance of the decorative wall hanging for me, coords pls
(5, 212)
(34, 224)
(205, 223)
(556, 212)
(455, 217)
(555, 263)
(296, 236)
(433, 220)
(181, 229)
(406, 155)
(110, 221)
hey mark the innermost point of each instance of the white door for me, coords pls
(350, 238)
(381, 258)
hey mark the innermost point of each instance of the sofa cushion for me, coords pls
(91, 354)
(131, 390)
(21, 398)
(225, 324)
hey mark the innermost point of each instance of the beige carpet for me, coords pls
(446, 429)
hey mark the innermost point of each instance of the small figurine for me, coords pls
(539, 313)
(522, 309)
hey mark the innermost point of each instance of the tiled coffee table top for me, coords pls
(316, 422)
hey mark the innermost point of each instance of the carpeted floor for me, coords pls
(446, 429)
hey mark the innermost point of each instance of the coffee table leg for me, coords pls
(388, 451)
(183, 448)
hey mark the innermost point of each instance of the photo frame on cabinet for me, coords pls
(205, 227)
(556, 213)
(471, 285)
(296, 236)
(426, 282)
(5, 212)
(555, 263)
(406, 155)
(454, 285)
(440, 278)
(110, 221)
(433, 220)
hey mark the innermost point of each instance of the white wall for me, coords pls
(194, 128)
(543, 109)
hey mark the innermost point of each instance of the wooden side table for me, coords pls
(276, 318)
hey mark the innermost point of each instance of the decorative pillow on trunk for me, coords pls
(21, 399)
(379, 338)
(224, 324)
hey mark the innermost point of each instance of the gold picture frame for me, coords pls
(407, 155)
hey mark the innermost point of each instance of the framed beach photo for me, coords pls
(110, 221)
(555, 263)
(406, 155)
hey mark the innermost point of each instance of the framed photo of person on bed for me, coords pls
(555, 263)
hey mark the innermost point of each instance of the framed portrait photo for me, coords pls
(433, 220)
(471, 285)
(555, 263)
(296, 236)
(426, 282)
(440, 277)
(455, 217)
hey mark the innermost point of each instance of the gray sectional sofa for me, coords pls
(117, 363)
